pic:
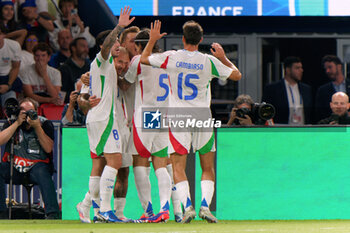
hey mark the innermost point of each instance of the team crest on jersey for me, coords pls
(152, 119)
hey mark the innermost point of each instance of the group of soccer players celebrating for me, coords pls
(154, 80)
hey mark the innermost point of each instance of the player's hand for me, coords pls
(217, 50)
(93, 100)
(155, 31)
(85, 78)
(124, 18)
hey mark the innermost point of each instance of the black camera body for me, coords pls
(12, 110)
(242, 112)
(259, 113)
(32, 114)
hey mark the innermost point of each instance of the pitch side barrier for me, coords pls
(276, 172)
(283, 172)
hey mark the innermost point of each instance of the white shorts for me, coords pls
(104, 139)
(147, 144)
(201, 141)
(125, 136)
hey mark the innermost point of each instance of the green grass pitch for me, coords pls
(290, 226)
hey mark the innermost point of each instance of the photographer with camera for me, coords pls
(246, 112)
(340, 107)
(72, 114)
(243, 105)
(32, 151)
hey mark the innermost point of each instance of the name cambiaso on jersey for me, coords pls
(190, 74)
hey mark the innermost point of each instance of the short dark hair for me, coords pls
(100, 38)
(60, 4)
(133, 29)
(142, 39)
(74, 43)
(243, 99)
(192, 32)
(289, 61)
(331, 58)
(42, 46)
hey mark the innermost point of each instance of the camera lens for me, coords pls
(33, 115)
(266, 111)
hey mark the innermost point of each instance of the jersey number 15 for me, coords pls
(187, 83)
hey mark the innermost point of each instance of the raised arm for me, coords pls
(124, 21)
(154, 35)
(217, 50)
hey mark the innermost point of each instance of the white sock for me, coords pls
(174, 195)
(143, 186)
(94, 190)
(87, 200)
(119, 205)
(106, 187)
(183, 191)
(164, 185)
(207, 192)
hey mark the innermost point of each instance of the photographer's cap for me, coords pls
(6, 2)
(28, 3)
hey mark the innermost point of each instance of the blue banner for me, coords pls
(234, 7)
(207, 7)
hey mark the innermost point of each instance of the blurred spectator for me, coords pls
(72, 115)
(340, 107)
(41, 5)
(27, 57)
(8, 25)
(41, 23)
(59, 58)
(75, 66)
(333, 67)
(291, 98)
(40, 81)
(10, 60)
(70, 20)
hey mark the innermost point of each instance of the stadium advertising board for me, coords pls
(234, 7)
